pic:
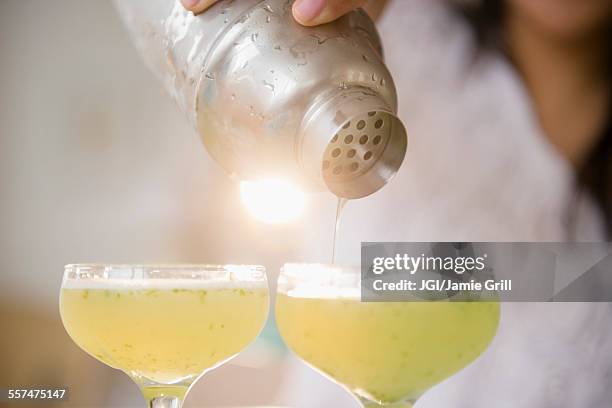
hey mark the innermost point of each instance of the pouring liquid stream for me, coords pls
(341, 203)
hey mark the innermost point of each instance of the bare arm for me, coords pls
(310, 12)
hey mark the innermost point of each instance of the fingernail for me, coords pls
(308, 10)
(189, 3)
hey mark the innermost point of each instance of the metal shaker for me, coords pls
(271, 98)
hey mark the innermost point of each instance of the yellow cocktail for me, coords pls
(384, 352)
(165, 332)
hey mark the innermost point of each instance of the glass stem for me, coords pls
(369, 404)
(164, 396)
(165, 402)
(405, 404)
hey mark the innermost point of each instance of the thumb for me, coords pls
(316, 12)
(197, 6)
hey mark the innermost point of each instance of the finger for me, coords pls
(197, 6)
(316, 12)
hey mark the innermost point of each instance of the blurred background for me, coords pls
(98, 165)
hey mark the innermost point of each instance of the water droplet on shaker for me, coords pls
(278, 47)
(322, 41)
(268, 8)
(244, 18)
(383, 82)
(374, 77)
(210, 75)
(268, 19)
(254, 37)
(365, 58)
(268, 85)
(226, 20)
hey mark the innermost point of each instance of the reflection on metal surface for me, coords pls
(267, 95)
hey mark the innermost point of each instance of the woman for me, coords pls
(507, 104)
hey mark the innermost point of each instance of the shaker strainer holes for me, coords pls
(371, 114)
(335, 153)
(346, 125)
(361, 124)
(377, 139)
(325, 165)
(363, 139)
(351, 153)
(367, 156)
(348, 139)
(337, 170)
(354, 167)
(378, 124)
(334, 139)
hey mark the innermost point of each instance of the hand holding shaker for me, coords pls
(271, 98)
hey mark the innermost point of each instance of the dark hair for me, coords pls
(595, 175)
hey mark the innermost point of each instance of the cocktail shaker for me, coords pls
(271, 98)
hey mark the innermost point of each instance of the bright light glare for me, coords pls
(272, 201)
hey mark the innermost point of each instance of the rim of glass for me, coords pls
(233, 272)
(319, 268)
(319, 279)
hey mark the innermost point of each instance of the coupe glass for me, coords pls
(387, 354)
(164, 325)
